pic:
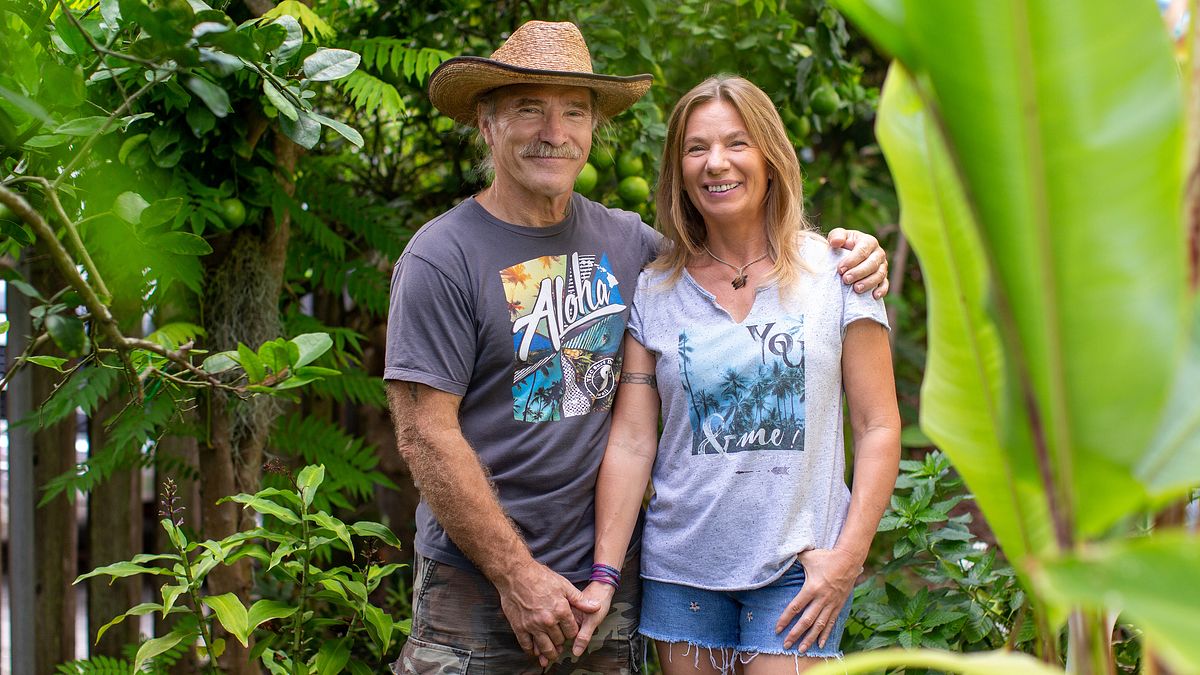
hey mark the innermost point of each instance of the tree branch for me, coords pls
(66, 266)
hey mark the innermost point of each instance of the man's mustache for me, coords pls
(543, 149)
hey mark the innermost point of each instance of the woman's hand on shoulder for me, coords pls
(829, 576)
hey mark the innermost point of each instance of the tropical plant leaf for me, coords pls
(986, 663)
(962, 395)
(1151, 578)
(1042, 132)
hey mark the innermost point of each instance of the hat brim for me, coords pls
(456, 85)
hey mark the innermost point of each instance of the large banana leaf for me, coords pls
(985, 663)
(1064, 121)
(962, 395)
(1153, 579)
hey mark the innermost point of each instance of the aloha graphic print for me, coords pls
(567, 325)
(747, 392)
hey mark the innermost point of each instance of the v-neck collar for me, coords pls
(713, 299)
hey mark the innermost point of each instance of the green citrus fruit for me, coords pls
(798, 126)
(825, 100)
(233, 211)
(6, 213)
(601, 158)
(585, 182)
(633, 190)
(629, 164)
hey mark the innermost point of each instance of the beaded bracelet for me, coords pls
(606, 574)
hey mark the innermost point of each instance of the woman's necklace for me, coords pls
(740, 279)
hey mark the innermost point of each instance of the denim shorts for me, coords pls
(743, 621)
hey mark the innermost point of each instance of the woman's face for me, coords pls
(724, 174)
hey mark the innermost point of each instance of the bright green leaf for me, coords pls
(345, 131)
(153, 647)
(254, 367)
(367, 528)
(219, 362)
(330, 64)
(83, 126)
(266, 610)
(312, 346)
(265, 506)
(129, 206)
(231, 613)
(309, 479)
(332, 656)
(1152, 580)
(53, 362)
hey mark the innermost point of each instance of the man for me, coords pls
(503, 355)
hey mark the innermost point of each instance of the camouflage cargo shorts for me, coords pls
(458, 628)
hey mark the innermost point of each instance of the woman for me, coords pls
(745, 338)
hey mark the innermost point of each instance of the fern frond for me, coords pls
(96, 665)
(174, 334)
(354, 386)
(310, 225)
(369, 93)
(369, 289)
(129, 432)
(349, 462)
(83, 390)
(384, 55)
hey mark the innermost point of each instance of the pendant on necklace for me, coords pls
(738, 282)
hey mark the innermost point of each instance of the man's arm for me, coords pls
(866, 266)
(536, 601)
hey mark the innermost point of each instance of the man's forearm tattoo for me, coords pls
(640, 378)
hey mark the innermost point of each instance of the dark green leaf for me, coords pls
(181, 243)
(161, 211)
(25, 105)
(345, 131)
(305, 130)
(213, 95)
(68, 333)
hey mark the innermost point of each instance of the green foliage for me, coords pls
(1046, 376)
(324, 606)
(938, 584)
(352, 475)
(107, 665)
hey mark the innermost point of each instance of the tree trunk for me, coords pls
(56, 527)
(114, 534)
(242, 305)
(114, 525)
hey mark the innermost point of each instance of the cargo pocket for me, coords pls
(426, 658)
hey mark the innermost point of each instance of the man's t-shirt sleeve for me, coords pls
(431, 332)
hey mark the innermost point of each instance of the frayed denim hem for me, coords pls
(729, 654)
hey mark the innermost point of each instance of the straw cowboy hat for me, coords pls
(539, 52)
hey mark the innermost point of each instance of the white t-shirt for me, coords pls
(750, 466)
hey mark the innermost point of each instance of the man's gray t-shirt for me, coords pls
(526, 325)
(750, 466)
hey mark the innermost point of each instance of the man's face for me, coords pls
(539, 136)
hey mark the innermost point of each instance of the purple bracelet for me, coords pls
(606, 574)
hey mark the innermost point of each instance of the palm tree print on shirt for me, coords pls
(745, 387)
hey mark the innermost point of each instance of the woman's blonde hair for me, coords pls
(678, 218)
